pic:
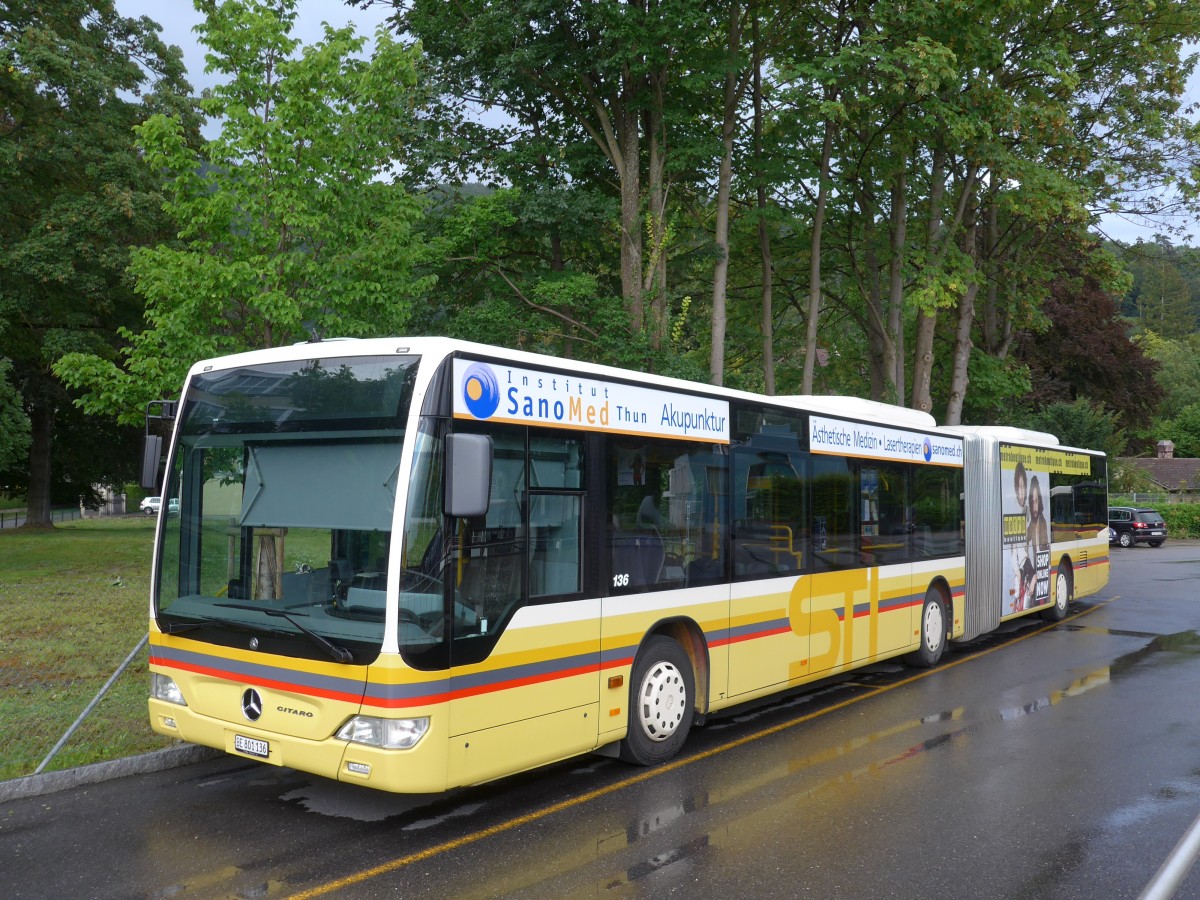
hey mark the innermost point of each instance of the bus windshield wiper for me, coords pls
(339, 654)
(204, 622)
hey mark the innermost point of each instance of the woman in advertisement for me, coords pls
(1016, 536)
(1038, 545)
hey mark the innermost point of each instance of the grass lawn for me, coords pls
(74, 601)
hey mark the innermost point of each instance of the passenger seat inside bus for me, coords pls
(640, 555)
(491, 584)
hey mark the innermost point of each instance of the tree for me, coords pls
(1182, 430)
(1084, 352)
(286, 225)
(915, 170)
(75, 78)
(1079, 424)
(1178, 370)
(14, 424)
(1178, 380)
(517, 269)
(1161, 296)
(636, 99)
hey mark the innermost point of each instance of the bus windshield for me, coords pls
(282, 490)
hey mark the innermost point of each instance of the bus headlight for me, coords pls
(163, 687)
(390, 734)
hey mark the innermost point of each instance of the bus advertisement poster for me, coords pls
(1025, 530)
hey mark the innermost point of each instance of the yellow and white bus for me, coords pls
(421, 563)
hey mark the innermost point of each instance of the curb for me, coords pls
(155, 761)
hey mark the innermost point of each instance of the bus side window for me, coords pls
(554, 547)
(667, 513)
(835, 541)
(937, 513)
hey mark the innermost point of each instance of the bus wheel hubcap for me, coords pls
(934, 626)
(662, 701)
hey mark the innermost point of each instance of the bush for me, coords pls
(1183, 519)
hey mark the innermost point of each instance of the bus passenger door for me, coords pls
(861, 580)
(525, 651)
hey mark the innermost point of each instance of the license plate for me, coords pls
(1156, 532)
(252, 746)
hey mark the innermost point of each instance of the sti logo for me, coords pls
(927, 450)
(481, 390)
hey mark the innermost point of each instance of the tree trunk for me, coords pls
(764, 235)
(814, 268)
(899, 224)
(629, 171)
(876, 320)
(962, 355)
(724, 178)
(961, 358)
(655, 283)
(37, 501)
(988, 318)
(922, 398)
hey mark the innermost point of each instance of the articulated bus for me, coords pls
(415, 564)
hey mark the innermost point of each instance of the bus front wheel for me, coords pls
(661, 698)
(933, 631)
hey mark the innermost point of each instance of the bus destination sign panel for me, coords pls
(882, 442)
(502, 393)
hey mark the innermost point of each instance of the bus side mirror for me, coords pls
(151, 458)
(468, 474)
(152, 448)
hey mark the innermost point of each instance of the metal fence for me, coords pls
(1162, 499)
(15, 518)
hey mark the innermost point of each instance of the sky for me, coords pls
(178, 17)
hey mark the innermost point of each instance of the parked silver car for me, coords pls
(151, 505)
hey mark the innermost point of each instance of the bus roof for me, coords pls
(1013, 435)
(441, 347)
(1006, 433)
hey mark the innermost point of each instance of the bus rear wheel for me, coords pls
(661, 703)
(1064, 592)
(933, 631)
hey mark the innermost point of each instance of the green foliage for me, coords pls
(1183, 429)
(1178, 372)
(1183, 519)
(286, 224)
(1127, 478)
(1079, 424)
(995, 385)
(996, 142)
(1031, 130)
(75, 195)
(14, 423)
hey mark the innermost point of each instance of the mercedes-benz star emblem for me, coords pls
(251, 704)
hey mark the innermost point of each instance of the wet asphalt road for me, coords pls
(1056, 762)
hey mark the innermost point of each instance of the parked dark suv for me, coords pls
(1130, 525)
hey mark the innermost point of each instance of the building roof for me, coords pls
(1171, 474)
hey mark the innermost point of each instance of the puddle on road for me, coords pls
(1182, 642)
